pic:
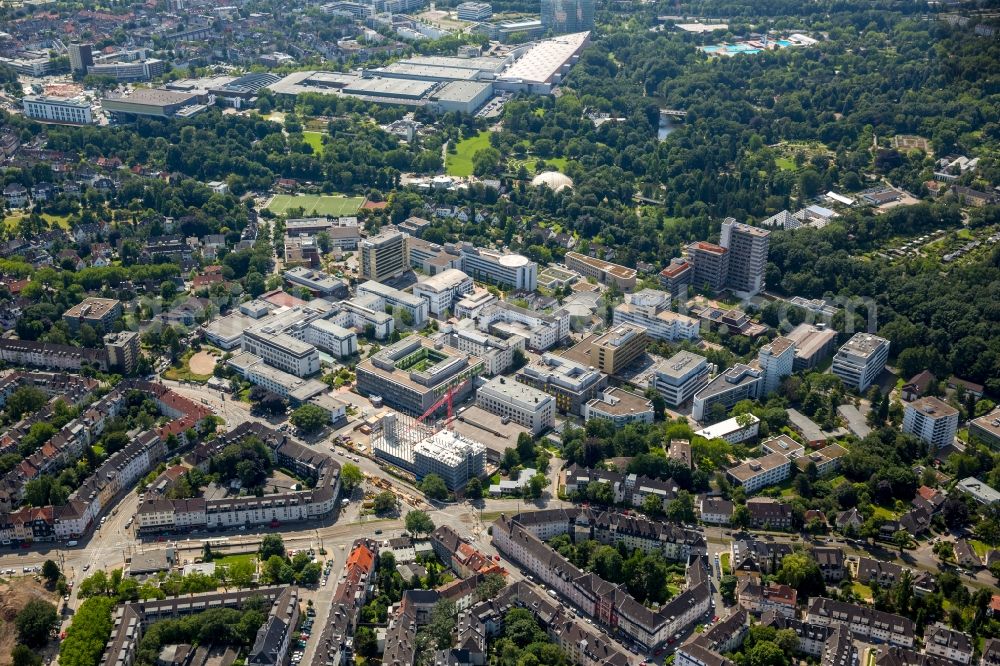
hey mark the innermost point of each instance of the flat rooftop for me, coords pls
(426, 72)
(809, 340)
(481, 63)
(619, 402)
(389, 87)
(617, 270)
(703, 246)
(92, 308)
(230, 327)
(518, 393)
(933, 407)
(297, 83)
(863, 345)
(751, 468)
(732, 378)
(482, 426)
(723, 428)
(619, 335)
(462, 91)
(990, 423)
(545, 59)
(680, 364)
(155, 97)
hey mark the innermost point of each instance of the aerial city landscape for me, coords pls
(509, 333)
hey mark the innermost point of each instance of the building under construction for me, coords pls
(412, 446)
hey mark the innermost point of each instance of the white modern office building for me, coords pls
(474, 11)
(365, 313)
(394, 298)
(740, 382)
(932, 420)
(281, 350)
(331, 338)
(650, 308)
(541, 331)
(252, 368)
(469, 306)
(522, 404)
(860, 360)
(572, 383)
(442, 290)
(59, 110)
(679, 377)
(497, 353)
(732, 430)
(316, 281)
(507, 270)
(620, 407)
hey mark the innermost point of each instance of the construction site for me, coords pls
(416, 447)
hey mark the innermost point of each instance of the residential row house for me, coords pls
(609, 604)
(158, 515)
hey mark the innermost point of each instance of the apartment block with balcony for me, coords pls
(932, 420)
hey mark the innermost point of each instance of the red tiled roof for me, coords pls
(281, 299)
(673, 270)
(361, 557)
(710, 247)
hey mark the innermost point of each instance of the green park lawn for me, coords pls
(314, 139)
(230, 560)
(785, 164)
(315, 204)
(551, 164)
(459, 163)
(53, 220)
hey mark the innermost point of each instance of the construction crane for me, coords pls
(449, 398)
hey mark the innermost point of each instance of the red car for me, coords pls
(670, 641)
(496, 557)
(659, 652)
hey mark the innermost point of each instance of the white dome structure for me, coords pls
(554, 180)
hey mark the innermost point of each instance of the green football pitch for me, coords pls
(315, 204)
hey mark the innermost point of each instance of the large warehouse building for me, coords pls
(152, 102)
(447, 83)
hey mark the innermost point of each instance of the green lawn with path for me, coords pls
(182, 371)
(459, 163)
